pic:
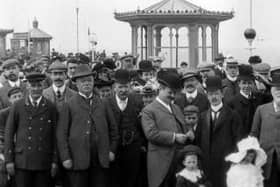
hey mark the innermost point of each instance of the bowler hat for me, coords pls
(190, 73)
(109, 63)
(213, 83)
(145, 66)
(122, 76)
(246, 72)
(102, 83)
(14, 90)
(169, 79)
(35, 77)
(220, 57)
(275, 78)
(82, 70)
(255, 60)
(191, 109)
(57, 66)
(148, 90)
(83, 59)
(10, 62)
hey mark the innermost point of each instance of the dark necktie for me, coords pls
(34, 103)
(58, 94)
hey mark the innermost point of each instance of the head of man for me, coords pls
(84, 79)
(128, 62)
(15, 94)
(35, 84)
(71, 67)
(191, 113)
(104, 88)
(157, 62)
(58, 73)
(190, 81)
(122, 85)
(275, 85)
(232, 69)
(11, 69)
(219, 60)
(169, 84)
(148, 95)
(246, 79)
(214, 90)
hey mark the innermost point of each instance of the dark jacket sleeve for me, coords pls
(10, 130)
(62, 133)
(237, 127)
(113, 127)
(256, 125)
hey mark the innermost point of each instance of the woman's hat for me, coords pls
(250, 143)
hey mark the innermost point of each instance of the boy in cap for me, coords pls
(192, 114)
(219, 131)
(31, 157)
(148, 95)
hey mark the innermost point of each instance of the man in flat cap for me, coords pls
(126, 108)
(219, 66)
(165, 128)
(192, 95)
(128, 62)
(31, 156)
(230, 84)
(11, 70)
(220, 130)
(59, 93)
(87, 134)
(157, 62)
(266, 128)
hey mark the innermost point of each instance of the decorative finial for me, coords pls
(35, 23)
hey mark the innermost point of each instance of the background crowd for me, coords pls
(67, 121)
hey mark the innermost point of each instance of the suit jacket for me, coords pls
(201, 101)
(49, 94)
(246, 110)
(4, 93)
(74, 128)
(4, 113)
(230, 89)
(217, 145)
(34, 129)
(266, 128)
(159, 126)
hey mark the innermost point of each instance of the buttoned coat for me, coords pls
(230, 89)
(34, 129)
(201, 101)
(266, 128)
(217, 145)
(74, 127)
(159, 126)
(4, 113)
(50, 95)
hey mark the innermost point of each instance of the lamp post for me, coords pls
(93, 42)
(77, 17)
(250, 33)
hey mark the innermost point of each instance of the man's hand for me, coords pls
(180, 138)
(67, 164)
(190, 135)
(11, 168)
(54, 170)
(111, 156)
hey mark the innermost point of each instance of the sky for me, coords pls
(58, 18)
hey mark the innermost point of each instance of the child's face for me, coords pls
(250, 157)
(191, 162)
(191, 119)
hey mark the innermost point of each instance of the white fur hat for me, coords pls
(250, 143)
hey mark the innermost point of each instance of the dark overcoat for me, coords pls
(217, 145)
(74, 128)
(34, 129)
(230, 89)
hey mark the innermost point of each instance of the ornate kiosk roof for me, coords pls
(180, 11)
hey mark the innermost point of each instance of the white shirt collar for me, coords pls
(61, 89)
(37, 101)
(244, 95)
(192, 176)
(193, 95)
(14, 84)
(276, 107)
(164, 104)
(121, 103)
(84, 96)
(217, 108)
(232, 79)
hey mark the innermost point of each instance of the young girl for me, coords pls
(245, 170)
(191, 175)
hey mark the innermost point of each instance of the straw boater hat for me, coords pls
(250, 143)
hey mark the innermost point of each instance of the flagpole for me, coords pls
(77, 17)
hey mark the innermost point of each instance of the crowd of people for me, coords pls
(122, 123)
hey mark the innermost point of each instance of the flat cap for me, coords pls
(35, 77)
(190, 73)
(191, 109)
(262, 68)
(14, 90)
(57, 66)
(10, 62)
(205, 66)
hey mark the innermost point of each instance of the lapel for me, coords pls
(178, 118)
(49, 93)
(221, 118)
(208, 119)
(243, 100)
(86, 107)
(270, 110)
(161, 107)
(38, 110)
(114, 105)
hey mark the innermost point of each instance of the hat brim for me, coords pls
(190, 76)
(213, 89)
(172, 87)
(75, 77)
(246, 78)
